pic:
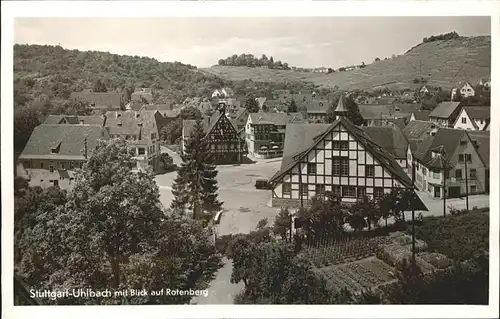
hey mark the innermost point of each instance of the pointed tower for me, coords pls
(341, 110)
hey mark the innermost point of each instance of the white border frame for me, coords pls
(11, 10)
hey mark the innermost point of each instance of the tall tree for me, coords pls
(99, 86)
(251, 104)
(195, 186)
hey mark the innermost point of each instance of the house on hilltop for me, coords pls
(54, 151)
(467, 90)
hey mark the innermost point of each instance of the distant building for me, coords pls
(485, 83)
(377, 114)
(142, 96)
(340, 158)
(75, 119)
(225, 142)
(141, 130)
(420, 116)
(223, 93)
(423, 90)
(105, 101)
(265, 133)
(475, 118)
(316, 110)
(467, 90)
(445, 113)
(54, 151)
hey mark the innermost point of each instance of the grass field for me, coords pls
(443, 63)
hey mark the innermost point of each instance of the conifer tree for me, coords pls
(196, 183)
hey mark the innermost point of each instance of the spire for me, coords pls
(341, 110)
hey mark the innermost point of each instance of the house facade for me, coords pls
(339, 158)
(449, 154)
(467, 90)
(54, 151)
(226, 144)
(474, 118)
(265, 133)
(141, 131)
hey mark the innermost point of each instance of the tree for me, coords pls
(292, 107)
(251, 104)
(171, 131)
(377, 59)
(353, 115)
(190, 113)
(282, 223)
(168, 162)
(110, 232)
(270, 63)
(196, 183)
(26, 118)
(366, 208)
(99, 86)
(363, 65)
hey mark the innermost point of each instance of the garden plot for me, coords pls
(358, 275)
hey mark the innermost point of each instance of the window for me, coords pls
(482, 122)
(56, 182)
(340, 145)
(51, 169)
(62, 166)
(81, 165)
(370, 170)
(348, 191)
(458, 173)
(473, 173)
(53, 150)
(340, 166)
(378, 192)
(436, 173)
(141, 150)
(468, 158)
(304, 190)
(336, 190)
(361, 191)
(424, 170)
(320, 190)
(461, 158)
(287, 188)
(464, 120)
(473, 189)
(41, 164)
(311, 168)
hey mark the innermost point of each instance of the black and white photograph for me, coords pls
(250, 160)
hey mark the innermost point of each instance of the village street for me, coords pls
(244, 206)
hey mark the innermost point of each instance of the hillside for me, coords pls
(443, 63)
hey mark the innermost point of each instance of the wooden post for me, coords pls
(444, 191)
(413, 216)
(300, 186)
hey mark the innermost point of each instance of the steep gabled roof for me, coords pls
(261, 101)
(478, 112)
(68, 139)
(422, 115)
(385, 111)
(482, 141)
(389, 137)
(127, 122)
(447, 139)
(386, 160)
(444, 110)
(75, 119)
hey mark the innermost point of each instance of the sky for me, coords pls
(299, 41)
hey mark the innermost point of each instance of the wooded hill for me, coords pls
(443, 63)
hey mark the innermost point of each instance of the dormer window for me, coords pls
(81, 121)
(139, 124)
(119, 124)
(463, 142)
(53, 150)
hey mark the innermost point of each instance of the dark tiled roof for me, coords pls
(445, 138)
(422, 115)
(444, 109)
(389, 137)
(482, 140)
(295, 153)
(377, 111)
(104, 100)
(131, 120)
(478, 112)
(68, 138)
(399, 122)
(418, 130)
(279, 119)
(74, 119)
(159, 107)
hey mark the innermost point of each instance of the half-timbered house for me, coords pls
(226, 144)
(339, 158)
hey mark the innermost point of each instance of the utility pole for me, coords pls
(466, 183)
(444, 184)
(413, 215)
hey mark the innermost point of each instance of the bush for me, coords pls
(445, 36)
(168, 162)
